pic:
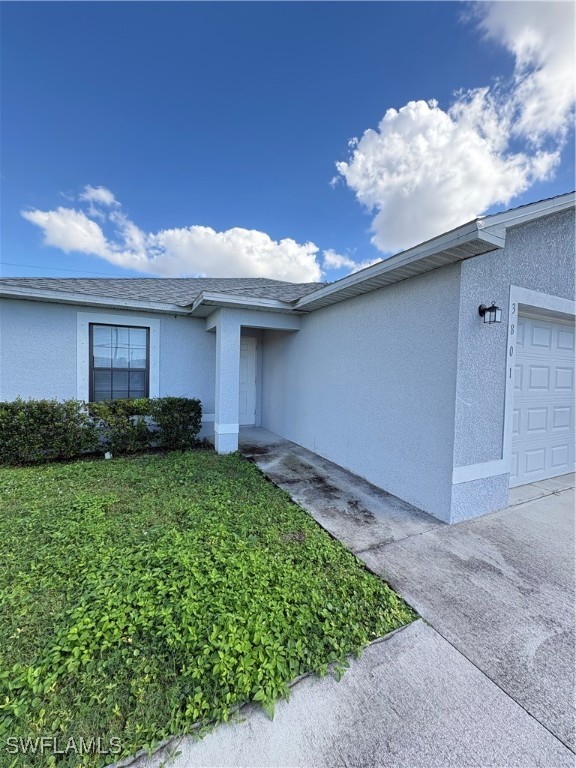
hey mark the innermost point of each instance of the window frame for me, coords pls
(130, 319)
(92, 367)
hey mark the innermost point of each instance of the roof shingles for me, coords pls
(181, 291)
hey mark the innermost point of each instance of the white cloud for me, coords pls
(235, 252)
(541, 37)
(69, 230)
(194, 250)
(98, 195)
(425, 170)
(336, 261)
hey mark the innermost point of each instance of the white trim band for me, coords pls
(479, 471)
(226, 429)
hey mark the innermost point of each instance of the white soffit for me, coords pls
(457, 245)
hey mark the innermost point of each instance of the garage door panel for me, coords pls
(541, 335)
(560, 456)
(538, 377)
(562, 418)
(566, 339)
(543, 429)
(564, 379)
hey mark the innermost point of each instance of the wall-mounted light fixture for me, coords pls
(492, 314)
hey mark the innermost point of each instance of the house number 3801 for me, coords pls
(512, 331)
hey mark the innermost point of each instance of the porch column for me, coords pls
(227, 381)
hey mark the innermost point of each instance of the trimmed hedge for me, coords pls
(178, 420)
(35, 431)
(44, 430)
(122, 424)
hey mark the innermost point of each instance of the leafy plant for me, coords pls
(44, 430)
(142, 596)
(178, 419)
(122, 424)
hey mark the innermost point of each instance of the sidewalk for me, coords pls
(410, 701)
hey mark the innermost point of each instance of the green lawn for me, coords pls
(142, 595)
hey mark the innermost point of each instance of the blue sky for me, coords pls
(215, 138)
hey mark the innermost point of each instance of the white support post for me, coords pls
(227, 381)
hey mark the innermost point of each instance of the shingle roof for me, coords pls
(181, 291)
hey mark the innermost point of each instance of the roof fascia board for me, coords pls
(527, 213)
(87, 300)
(211, 298)
(452, 239)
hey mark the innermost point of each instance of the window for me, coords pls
(119, 362)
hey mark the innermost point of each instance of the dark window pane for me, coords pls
(137, 382)
(121, 336)
(137, 358)
(120, 379)
(138, 338)
(120, 384)
(102, 385)
(120, 362)
(101, 346)
(121, 357)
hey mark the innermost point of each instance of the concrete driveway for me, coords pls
(500, 588)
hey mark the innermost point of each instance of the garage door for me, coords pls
(543, 432)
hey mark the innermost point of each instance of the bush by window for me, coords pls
(35, 431)
(44, 430)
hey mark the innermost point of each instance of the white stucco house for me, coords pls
(391, 372)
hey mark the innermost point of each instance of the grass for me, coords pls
(142, 595)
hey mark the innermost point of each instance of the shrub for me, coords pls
(178, 420)
(122, 424)
(44, 430)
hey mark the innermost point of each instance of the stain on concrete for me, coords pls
(351, 509)
(255, 450)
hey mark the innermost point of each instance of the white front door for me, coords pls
(247, 400)
(543, 418)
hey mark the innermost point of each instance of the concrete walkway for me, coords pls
(410, 701)
(350, 508)
(490, 683)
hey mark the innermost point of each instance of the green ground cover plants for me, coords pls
(142, 595)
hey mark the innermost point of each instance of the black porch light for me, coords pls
(492, 314)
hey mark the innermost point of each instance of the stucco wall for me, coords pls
(538, 256)
(38, 352)
(369, 383)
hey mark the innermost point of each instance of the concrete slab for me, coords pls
(350, 508)
(562, 483)
(411, 700)
(522, 493)
(501, 589)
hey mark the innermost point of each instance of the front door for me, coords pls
(247, 399)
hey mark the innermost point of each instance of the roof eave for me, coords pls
(526, 213)
(457, 245)
(88, 300)
(207, 301)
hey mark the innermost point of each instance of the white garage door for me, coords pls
(543, 433)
